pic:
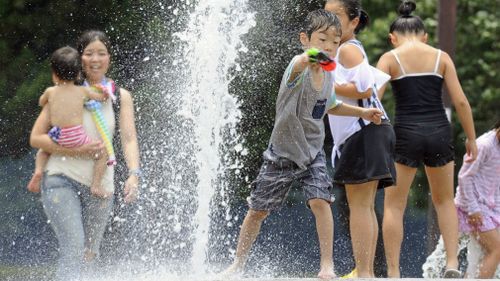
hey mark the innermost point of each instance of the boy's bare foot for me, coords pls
(233, 270)
(98, 191)
(327, 272)
(34, 184)
(89, 256)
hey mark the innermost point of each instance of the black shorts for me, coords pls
(366, 156)
(431, 144)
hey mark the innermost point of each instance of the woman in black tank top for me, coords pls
(423, 132)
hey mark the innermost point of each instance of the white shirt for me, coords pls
(364, 76)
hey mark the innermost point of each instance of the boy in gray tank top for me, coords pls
(295, 151)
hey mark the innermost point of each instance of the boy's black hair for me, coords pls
(65, 63)
(353, 10)
(321, 19)
(406, 23)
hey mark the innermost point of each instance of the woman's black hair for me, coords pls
(321, 19)
(406, 23)
(84, 40)
(65, 63)
(353, 10)
(90, 36)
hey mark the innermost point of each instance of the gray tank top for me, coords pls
(299, 131)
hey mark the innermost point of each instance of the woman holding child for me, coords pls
(77, 216)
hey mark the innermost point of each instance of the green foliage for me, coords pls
(30, 32)
(28, 36)
(477, 60)
(22, 81)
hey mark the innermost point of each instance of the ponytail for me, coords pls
(406, 22)
(364, 20)
(406, 8)
(354, 10)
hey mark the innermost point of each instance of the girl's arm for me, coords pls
(461, 104)
(384, 65)
(350, 56)
(40, 139)
(370, 114)
(349, 90)
(467, 180)
(129, 143)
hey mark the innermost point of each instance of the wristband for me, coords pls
(135, 172)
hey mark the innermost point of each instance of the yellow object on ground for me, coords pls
(353, 274)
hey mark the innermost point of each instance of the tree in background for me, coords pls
(30, 31)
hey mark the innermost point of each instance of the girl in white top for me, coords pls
(363, 151)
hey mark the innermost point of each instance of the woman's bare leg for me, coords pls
(374, 238)
(441, 185)
(395, 200)
(360, 199)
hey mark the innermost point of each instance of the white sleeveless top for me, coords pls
(81, 170)
(364, 76)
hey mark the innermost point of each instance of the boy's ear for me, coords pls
(304, 39)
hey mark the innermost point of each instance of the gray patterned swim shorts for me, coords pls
(276, 176)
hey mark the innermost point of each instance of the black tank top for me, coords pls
(419, 96)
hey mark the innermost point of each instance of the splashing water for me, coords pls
(212, 38)
(189, 131)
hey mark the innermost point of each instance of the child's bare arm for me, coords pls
(370, 114)
(93, 95)
(350, 56)
(44, 98)
(462, 106)
(349, 90)
(301, 62)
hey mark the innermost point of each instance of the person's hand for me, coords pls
(131, 189)
(470, 150)
(321, 58)
(372, 114)
(93, 150)
(305, 60)
(475, 220)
